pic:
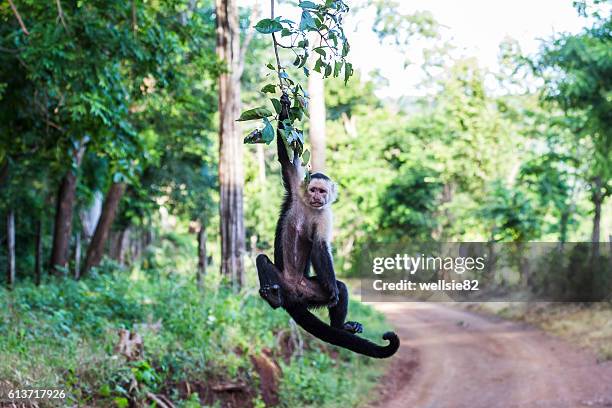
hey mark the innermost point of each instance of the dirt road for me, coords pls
(452, 358)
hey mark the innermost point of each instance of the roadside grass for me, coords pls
(63, 334)
(587, 325)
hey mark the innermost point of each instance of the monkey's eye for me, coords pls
(312, 189)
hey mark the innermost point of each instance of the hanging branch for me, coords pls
(134, 18)
(23, 27)
(325, 20)
(60, 14)
(275, 43)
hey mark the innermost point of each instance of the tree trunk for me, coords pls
(316, 110)
(63, 214)
(10, 246)
(563, 223)
(39, 252)
(4, 168)
(523, 262)
(597, 198)
(63, 222)
(440, 232)
(96, 247)
(123, 245)
(201, 257)
(231, 178)
(77, 255)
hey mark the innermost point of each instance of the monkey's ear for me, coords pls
(333, 192)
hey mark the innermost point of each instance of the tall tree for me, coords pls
(64, 211)
(109, 210)
(577, 70)
(201, 256)
(231, 176)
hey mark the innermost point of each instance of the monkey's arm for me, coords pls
(290, 167)
(323, 266)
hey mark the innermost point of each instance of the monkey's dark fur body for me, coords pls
(301, 239)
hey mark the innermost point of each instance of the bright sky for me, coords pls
(475, 26)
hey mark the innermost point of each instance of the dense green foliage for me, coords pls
(135, 87)
(320, 33)
(63, 334)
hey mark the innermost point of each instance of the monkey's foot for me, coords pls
(333, 300)
(269, 283)
(272, 295)
(334, 296)
(353, 327)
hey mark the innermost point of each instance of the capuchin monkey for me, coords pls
(302, 239)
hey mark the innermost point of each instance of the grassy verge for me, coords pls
(198, 347)
(586, 325)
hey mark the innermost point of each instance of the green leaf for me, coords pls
(320, 51)
(332, 36)
(285, 32)
(307, 22)
(267, 132)
(296, 136)
(307, 4)
(269, 88)
(302, 101)
(345, 48)
(337, 68)
(318, 65)
(270, 66)
(268, 26)
(277, 105)
(348, 71)
(105, 391)
(119, 177)
(303, 60)
(121, 402)
(296, 113)
(256, 113)
(254, 137)
(306, 157)
(328, 70)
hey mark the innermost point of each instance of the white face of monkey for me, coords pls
(320, 193)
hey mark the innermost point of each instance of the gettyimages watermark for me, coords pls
(482, 272)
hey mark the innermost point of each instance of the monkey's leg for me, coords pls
(269, 281)
(337, 313)
(279, 290)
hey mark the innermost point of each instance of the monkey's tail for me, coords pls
(342, 338)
